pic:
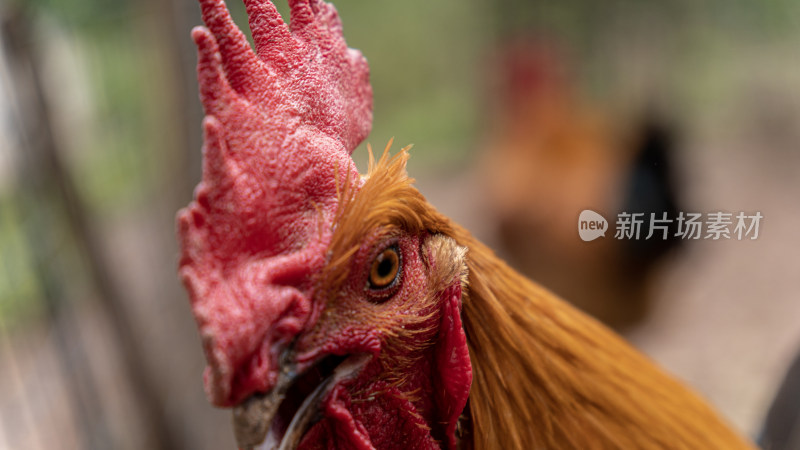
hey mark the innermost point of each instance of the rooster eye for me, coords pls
(385, 269)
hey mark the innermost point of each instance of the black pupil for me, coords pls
(385, 266)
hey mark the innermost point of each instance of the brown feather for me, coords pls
(544, 374)
(548, 376)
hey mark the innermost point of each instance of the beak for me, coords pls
(252, 419)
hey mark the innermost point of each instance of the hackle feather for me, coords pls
(545, 374)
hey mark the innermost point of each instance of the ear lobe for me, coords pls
(453, 368)
(445, 260)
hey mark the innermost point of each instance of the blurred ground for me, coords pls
(98, 348)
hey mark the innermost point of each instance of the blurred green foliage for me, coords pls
(19, 288)
(115, 166)
(110, 168)
(85, 15)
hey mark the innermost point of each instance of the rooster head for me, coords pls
(328, 302)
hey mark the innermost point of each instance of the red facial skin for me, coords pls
(279, 129)
(415, 388)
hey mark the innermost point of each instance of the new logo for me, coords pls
(591, 225)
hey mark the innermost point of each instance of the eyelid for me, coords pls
(383, 245)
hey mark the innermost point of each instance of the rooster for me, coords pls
(343, 311)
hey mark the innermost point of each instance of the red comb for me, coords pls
(303, 75)
(280, 125)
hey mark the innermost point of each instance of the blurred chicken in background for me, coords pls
(552, 155)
